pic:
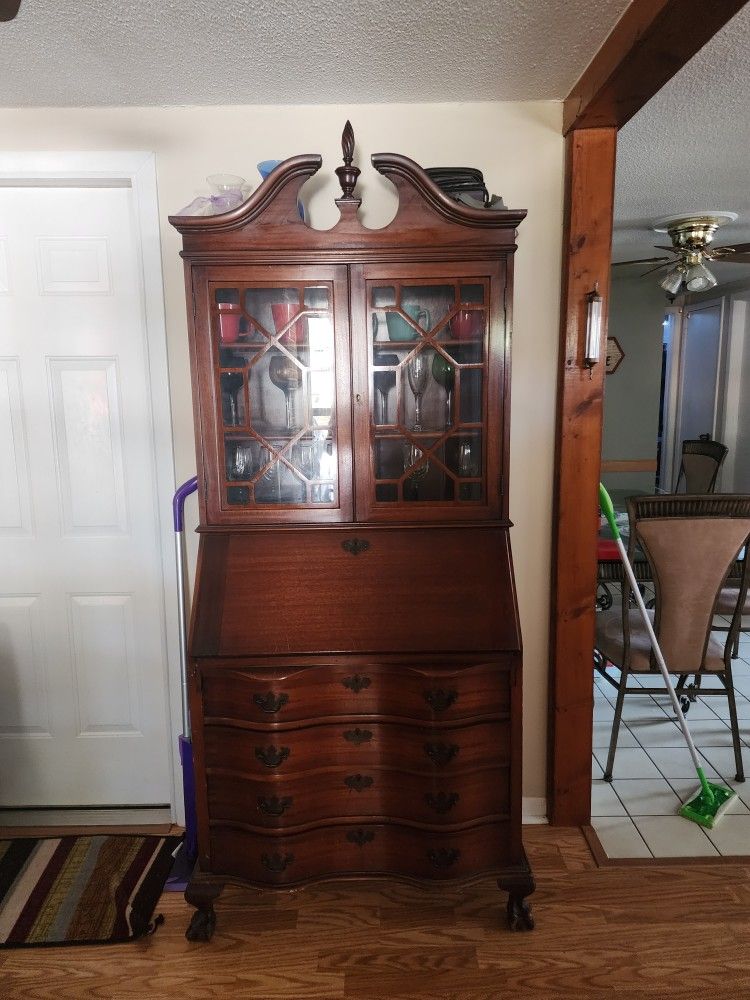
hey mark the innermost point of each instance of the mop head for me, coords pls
(709, 805)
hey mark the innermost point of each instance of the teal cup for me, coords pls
(399, 329)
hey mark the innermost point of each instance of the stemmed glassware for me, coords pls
(444, 374)
(468, 466)
(417, 372)
(412, 454)
(231, 384)
(287, 376)
(384, 382)
(240, 461)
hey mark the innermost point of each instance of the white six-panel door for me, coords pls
(83, 717)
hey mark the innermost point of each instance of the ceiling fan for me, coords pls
(691, 236)
(9, 9)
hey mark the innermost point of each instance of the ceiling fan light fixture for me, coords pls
(672, 281)
(699, 279)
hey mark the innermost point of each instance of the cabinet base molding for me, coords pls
(205, 888)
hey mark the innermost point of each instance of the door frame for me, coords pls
(136, 170)
(652, 41)
(671, 387)
(718, 408)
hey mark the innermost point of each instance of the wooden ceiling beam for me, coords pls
(649, 44)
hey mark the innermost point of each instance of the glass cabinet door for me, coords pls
(274, 392)
(428, 361)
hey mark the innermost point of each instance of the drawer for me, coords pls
(353, 746)
(353, 849)
(364, 590)
(291, 694)
(434, 799)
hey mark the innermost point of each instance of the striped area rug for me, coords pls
(80, 890)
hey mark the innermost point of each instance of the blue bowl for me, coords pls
(266, 166)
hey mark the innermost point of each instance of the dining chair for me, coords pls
(691, 543)
(701, 461)
(734, 594)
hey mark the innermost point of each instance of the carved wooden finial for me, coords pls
(347, 174)
(347, 143)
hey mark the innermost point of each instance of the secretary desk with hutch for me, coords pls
(355, 652)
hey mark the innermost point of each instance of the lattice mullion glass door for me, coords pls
(431, 379)
(277, 349)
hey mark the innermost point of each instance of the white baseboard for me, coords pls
(533, 811)
(86, 817)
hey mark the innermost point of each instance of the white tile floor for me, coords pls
(635, 815)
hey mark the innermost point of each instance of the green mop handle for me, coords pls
(605, 502)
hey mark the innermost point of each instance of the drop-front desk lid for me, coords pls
(354, 589)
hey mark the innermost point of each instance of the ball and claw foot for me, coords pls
(520, 917)
(202, 925)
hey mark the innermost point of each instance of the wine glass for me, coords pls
(468, 465)
(412, 455)
(444, 374)
(305, 457)
(240, 461)
(287, 376)
(384, 382)
(231, 383)
(417, 374)
(268, 486)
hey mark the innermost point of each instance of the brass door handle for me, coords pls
(276, 862)
(444, 857)
(360, 837)
(357, 736)
(355, 545)
(441, 753)
(273, 805)
(271, 702)
(272, 756)
(439, 699)
(442, 802)
(357, 683)
(358, 782)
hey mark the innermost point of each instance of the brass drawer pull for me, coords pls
(439, 699)
(443, 802)
(360, 837)
(441, 753)
(271, 702)
(444, 857)
(357, 736)
(273, 805)
(355, 545)
(356, 683)
(272, 756)
(358, 782)
(276, 862)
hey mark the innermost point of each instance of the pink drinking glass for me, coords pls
(229, 322)
(467, 324)
(284, 313)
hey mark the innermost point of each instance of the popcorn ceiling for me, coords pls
(688, 149)
(184, 52)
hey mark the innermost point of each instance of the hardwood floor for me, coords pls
(629, 932)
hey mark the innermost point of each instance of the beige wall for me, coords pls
(520, 150)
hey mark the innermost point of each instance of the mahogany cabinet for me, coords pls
(355, 653)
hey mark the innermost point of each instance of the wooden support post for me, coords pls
(590, 172)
